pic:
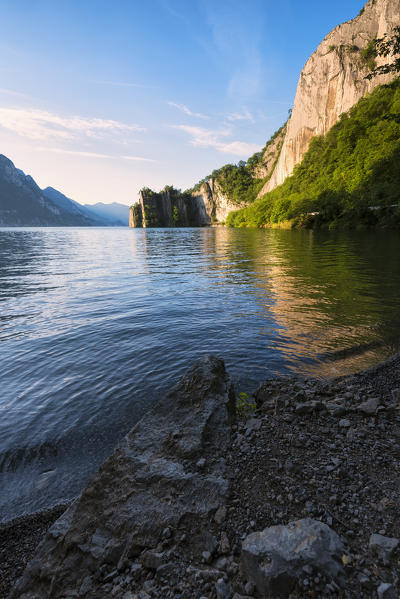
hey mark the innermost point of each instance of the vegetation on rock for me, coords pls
(347, 178)
(385, 47)
(239, 182)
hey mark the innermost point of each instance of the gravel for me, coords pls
(18, 541)
(326, 450)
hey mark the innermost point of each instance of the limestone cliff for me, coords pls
(332, 81)
(169, 208)
(216, 204)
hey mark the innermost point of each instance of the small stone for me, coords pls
(383, 547)
(387, 591)
(165, 570)
(249, 588)
(253, 424)
(224, 545)
(396, 394)
(85, 586)
(201, 463)
(220, 514)
(167, 533)
(152, 560)
(368, 407)
(351, 435)
(344, 423)
(280, 403)
(136, 570)
(223, 589)
(206, 555)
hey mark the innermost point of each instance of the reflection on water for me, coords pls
(95, 324)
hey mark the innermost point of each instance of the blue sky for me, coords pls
(99, 98)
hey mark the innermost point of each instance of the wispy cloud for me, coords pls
(93, 154)
(208, 138)
(138, 159)
(186, 110)
(39, 125)
(245, 115)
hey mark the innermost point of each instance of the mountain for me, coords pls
(23, 203)
(331, 83)
(71, 207)
(333, 80)
(348, 178)
(116, 214)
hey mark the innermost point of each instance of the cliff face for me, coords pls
(215, 202)
(168, 208)
(332, 81)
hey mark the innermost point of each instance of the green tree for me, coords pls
(387, 46)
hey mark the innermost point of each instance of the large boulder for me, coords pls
(151, 483)
(274, 559)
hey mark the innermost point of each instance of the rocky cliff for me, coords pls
(216, 203)
(333, 80)
(169, 208)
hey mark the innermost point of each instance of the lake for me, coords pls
(98, 323)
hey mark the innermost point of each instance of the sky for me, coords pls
(99, 98)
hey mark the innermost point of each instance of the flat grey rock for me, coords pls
(150, 483)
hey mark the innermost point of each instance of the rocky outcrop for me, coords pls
(332, 81)
(217, 205)
(167, 476)
(169, 208)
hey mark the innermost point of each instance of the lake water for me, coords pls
(97, 324)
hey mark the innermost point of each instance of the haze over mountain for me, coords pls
(23, 203)
(115, 213)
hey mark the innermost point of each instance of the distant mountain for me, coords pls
(23, 203)
(74, 208)
(116, 214)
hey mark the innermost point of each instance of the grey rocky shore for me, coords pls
(301, 498)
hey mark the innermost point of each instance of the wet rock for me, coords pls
(150, 483)
(383, 547)
(274, 558)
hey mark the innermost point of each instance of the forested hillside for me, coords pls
(350, 177)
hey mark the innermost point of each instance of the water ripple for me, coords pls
(96, 324)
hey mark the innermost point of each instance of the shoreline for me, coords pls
(20, 536)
